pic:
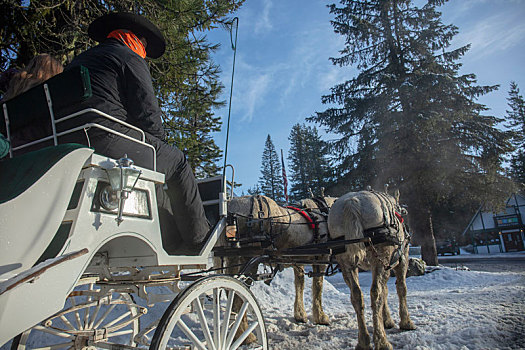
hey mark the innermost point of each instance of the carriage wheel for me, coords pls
(90, 318)
(207, 315)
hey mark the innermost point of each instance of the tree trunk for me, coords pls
(424, 234)
(428, 244)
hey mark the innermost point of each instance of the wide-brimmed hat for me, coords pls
(100, 28)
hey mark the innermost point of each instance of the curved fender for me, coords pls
(29, 222)
(36, 294)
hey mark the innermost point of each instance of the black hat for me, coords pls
(100, 28)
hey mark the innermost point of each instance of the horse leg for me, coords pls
(237, 301)
(401, 271)
(317, 297)
(298, 306)
(377, 295)
(387, 318)
(350, 275)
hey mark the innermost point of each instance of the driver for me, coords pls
(122, 87)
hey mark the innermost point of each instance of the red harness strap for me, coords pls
(304, 215)
(399, 217)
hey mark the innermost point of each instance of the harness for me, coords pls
(312, 221)
(388, 232)
(321, 204)
(259, 218)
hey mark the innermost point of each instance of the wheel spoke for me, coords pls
(216, 317)
(244, 335)
(94, 316)
(53, 332)
(105, 315)
(227, 314)
(237, 323)
(86, 311)
(190, 334)
(202, 319)
(77, 316)
(118, 319)
(67, 323)
(124, 332)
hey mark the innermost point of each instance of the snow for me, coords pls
(452, 309)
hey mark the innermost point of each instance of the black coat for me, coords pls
(122, 87)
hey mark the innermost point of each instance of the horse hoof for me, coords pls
(385, 346)
(408, 326)
(389, 324)
(323, 321)
(363, 347)
(301, 319)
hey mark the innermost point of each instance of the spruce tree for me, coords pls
(270, 181)
(409, 118)
(309, 164)
(516, 122)
(185, 78)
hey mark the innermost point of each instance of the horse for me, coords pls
(376, 215)
(284, 228)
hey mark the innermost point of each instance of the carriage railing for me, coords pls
(55, 135)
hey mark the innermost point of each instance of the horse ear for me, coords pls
(396, 195)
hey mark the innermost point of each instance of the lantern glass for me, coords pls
(123, 178)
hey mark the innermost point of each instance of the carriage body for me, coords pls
(58, 230)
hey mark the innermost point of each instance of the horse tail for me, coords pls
(353, 220)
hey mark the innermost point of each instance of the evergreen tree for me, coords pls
(185, 79)
(516, 122)
(409, 118)
(255, 190)
(309, 162)
(270, 181)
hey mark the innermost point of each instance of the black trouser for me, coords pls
(183, 199)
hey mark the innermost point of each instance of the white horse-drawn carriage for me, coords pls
(80, 236)
(83, 256)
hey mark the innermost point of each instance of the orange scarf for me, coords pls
(130, 40)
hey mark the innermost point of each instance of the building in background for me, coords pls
(498, 232)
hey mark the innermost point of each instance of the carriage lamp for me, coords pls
(122, 179)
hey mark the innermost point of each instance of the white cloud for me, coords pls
(251, 87)
(330, 78)
(493, 34)
(252, 98)
(263, 22)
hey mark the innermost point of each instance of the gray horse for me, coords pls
(368, 213)
(285, 228)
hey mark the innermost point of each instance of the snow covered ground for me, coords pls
(453, 309)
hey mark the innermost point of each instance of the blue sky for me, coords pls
(282, 67)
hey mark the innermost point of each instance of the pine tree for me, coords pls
(186, 80)
(270, 181)
(309, 163)
(409, 118)
(255, 190)
(516, 122)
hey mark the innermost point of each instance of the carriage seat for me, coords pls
(19, 173)
(4, 146)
